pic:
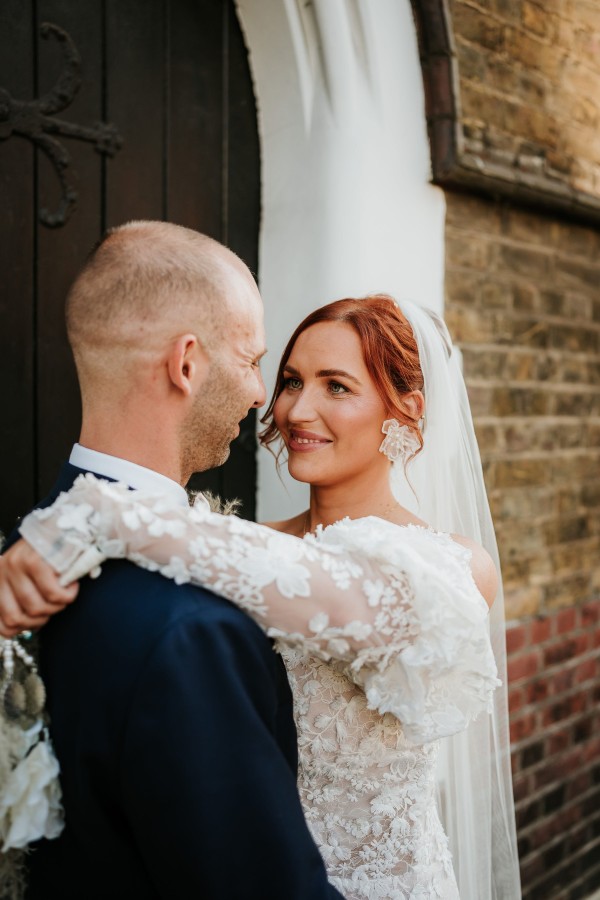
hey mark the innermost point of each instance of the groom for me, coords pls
(170, 713)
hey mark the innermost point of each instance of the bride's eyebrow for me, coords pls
(339, 373)
(324, 373)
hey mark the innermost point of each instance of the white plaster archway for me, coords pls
(347, 204)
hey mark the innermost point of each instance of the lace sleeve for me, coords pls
(413, 632)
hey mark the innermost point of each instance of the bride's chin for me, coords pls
(306, 470)
(301, 469)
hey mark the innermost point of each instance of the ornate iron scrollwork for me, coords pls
(35, 120)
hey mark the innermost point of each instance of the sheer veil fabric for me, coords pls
(444, 486)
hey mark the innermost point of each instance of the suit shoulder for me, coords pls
(134, 595)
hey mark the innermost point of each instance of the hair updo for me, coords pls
(389, 350)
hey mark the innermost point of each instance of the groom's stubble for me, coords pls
(210, 427)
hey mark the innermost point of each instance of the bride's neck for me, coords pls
(334, 502)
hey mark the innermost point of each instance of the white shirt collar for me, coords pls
(138, 477)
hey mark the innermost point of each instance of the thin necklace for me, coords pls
(306, 529)
(306, 525)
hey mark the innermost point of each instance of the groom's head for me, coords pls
(166, 327)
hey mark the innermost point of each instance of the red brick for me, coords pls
(565, 708)
(544, 832)
(591, 751)
(563, 681)
(540, 630)
(521, 788)
(516, 637)
(579, 702)
(578, 838)
(590, 613)
(559, 652)
(537, 690)
(529, 756)
(586, 670)
(556, 770)
(583, 729)
(566, 620)
(557, 742)
(532, 869)
(572, 815)
(589, 806)
(522, 728)
(582, 644)
(516, 700)
(578, 785)
(556, 713)
(523, 666)
(528, 813)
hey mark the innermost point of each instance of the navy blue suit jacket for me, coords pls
(171, 717)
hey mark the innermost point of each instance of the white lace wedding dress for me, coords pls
(385, 639)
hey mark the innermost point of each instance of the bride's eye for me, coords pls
(336, 388)
(292, 383)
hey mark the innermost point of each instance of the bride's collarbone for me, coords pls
(293, 526)
(297, 525)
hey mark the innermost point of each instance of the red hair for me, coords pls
(389, 350)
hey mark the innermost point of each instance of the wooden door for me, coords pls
(157, 120)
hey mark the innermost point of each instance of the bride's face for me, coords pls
(329, 412)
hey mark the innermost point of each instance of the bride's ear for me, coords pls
(413, 404)
(187, 364)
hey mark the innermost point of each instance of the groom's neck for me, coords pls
(152, 447)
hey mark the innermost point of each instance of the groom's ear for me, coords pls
(187, 364)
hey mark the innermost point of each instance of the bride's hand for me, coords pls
(30, 591)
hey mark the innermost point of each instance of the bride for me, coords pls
(391, 667)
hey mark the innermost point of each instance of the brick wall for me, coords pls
(553, 665)
(523, 303)
(530, 86)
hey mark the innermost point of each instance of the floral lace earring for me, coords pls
(399, 442)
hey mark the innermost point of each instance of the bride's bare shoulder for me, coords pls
(484, 571)
(294, 526)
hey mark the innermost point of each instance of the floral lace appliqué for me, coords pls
(385, 638)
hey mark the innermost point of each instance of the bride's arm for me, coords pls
(397, 619)
(291, 587)
(30, 592)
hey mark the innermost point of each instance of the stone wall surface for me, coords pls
(529, 88)
(523, 304)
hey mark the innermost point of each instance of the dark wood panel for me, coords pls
(243, 156)
(195, 111)
(195, 133)
(61, 251)
(228, 201)
(174, 80)
(135, 86)
(17, 275)
(242, 162)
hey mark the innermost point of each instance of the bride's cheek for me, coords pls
(279, 416)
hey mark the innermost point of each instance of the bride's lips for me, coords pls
(306, 441)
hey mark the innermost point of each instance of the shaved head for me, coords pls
(166, 327)
(145, 283)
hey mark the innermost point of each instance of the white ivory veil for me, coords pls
(445, 487)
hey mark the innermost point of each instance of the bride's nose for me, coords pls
(302, 408)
